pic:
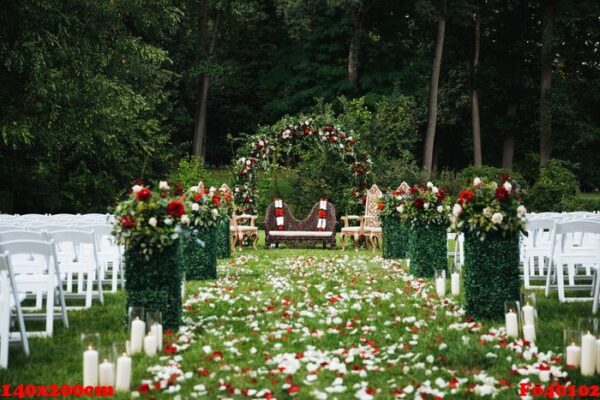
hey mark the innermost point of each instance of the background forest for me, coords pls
(94, 94)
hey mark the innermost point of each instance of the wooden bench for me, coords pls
(300, 232)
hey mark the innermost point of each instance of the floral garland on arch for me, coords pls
(266, 148)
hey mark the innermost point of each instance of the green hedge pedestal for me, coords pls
(155, 283)
(223, 238)
(199, 262)
(395, 238)
(427, 249)
(491, 274)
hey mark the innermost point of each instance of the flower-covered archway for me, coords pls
(269, 146)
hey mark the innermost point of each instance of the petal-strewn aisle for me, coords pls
(337, 327)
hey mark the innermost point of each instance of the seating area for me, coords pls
(282, 227)
(50, 264)
(369, 228)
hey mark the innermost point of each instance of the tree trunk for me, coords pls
(547, 57)
(477, 157)
(433, 91)
(204, 80)
(508, 151)
(355, 43)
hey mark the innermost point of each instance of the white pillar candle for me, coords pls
(150, 345)
(157, 332)
(512, 324)
(598, 356)
(90, 367)
(455, 283)
(107, 374)
(138, 329)
(588, 354)
(528, 315)
(123, 379)
(529, 332)
(440, 286)
(573, 355)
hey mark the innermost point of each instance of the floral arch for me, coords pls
(267, 147)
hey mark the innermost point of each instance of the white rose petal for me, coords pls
(440, 209)
(152, 221)
(195, 206)
(163, 185)
(429, 184)
(136, 188)
(185, 219)
(507, 186)
(476, 181)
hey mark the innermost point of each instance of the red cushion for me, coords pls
(322, 214)
(279, 212)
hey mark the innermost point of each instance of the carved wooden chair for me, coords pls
(369, 227)
(243, 227)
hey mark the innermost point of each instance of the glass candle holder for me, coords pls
(529, 316)
(155, 328)
(440, 283)
(137, 329)
(512, 312)
(572, 341)
(90, 340)
(106, 368)
(589, 325)
(182, 286)
(133, 313)
(123, 367)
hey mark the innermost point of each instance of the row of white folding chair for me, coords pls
(458, 252)
(562, 256)
(9, 300)
(41, 277)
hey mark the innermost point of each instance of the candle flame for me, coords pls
(90, 347)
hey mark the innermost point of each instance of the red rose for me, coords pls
(178, 189)
(128, 222)
(307, 131)
(504, 177)
(143, 194)
(465, 197)
(216, 200)
(175, 208)
(331, 139)
(419, 202)
(414, 190)
(381, 206)
(329, 128)
(501, 194)
(441, 195)
(144, 388)
(228, 196)
(322, 214)
(279, 212)
(363, 200)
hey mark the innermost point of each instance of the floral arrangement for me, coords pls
(393, 203)
(151, 220)
(419, 204)
(208, 207)
(489, 208)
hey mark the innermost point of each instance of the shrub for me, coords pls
(488, 173)
(555, 183)
(190, 171)
(578, 203)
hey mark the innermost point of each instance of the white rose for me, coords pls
(476, 181)
(521, 211)
(136, 188)
(399, 197)
(168, 221)
(429, 184)
(440, 209)
(487, 211)
(400, 209)
(185, 219)
(237, 190)
(163, 185)
(152, 222)
(457, 210)
(426, 206)
(497, 218)
(507, 186)
(261, 142)
(248, 162)
(434, 190)
(194, 189)
(212, 190)
(494, 185)
(307, 122)
(195, 207)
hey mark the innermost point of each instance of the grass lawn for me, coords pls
(314, 323)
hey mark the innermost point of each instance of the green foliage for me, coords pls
(199, 261)
(491, 274)
(489, 173)
(427, 249)
(155, 283)
(395, 238)
(555, 183)
(222, 240)
(190, 171)
(578, 203)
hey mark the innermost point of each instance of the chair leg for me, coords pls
(596, 290)
(343, 240)
(254, 243)
(548, 278)
(561, 283)
(50, 309)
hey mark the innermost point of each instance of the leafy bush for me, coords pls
(556, 182)
(578, 203)
(488, 173)
(190, 171)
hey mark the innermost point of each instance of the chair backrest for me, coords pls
(8, 228)
(374, 195)
(15, 247)
(22, 234)
(49, 227)
(72, 235)
(535, 228)
(563, 228)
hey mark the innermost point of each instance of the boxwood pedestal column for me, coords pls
(155, 283)
(491, 274)
(200, 262)
(427, 249)
(223, 245)
(395, 238)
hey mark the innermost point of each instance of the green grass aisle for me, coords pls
(316, 324)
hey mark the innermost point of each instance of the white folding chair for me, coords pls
(109, 253)
(83, 262)
(9, 299)
(457, 254)
(537, 250)
(46, 279)
(576, 258)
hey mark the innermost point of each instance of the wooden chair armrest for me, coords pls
(347, 218)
